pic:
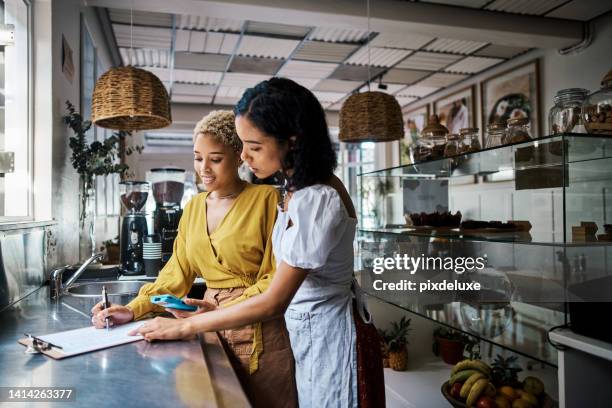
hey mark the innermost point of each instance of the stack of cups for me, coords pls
(151, 254)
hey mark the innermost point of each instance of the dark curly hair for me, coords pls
(282, 108)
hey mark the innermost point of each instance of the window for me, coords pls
(354, 159)
(15, 112)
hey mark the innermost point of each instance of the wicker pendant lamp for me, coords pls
(128, 98)
(370, 116)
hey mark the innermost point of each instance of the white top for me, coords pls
(321, 237)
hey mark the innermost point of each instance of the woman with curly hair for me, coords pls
(283, 128)
(225, 237)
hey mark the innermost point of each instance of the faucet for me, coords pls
(56, 276)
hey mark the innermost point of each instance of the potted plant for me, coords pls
(395, 351)
(98, 158)
(449, 344)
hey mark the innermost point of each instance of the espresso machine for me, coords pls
(168, 185)
(133, 226)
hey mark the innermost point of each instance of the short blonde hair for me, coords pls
(220, 125)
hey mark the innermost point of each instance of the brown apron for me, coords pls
(273, 384)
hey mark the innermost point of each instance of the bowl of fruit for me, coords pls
(473, 383)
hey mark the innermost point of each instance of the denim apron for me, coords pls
(322, 334)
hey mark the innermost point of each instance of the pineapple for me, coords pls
(396, 343)
(504, 371)
(384, 349)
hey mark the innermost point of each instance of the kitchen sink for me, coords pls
(84, 295)
(113, 288)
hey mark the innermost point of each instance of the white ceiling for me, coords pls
(216, 59)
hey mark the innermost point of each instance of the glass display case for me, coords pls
(536, 213)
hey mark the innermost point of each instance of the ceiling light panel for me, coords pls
(191, 99)
(193, 89)
(394, 40)
(500, 51)
(192, 76)
(328, 98)
(356, 73)
(377, 57)
(257, 46)
(308, 83)
(428, 61)
(454, 46)
(284, 30)
(200, 41)
(142, 37)
(525, 6)
(473, 65)
(442, 80)
(331, 34)
(162, 73)
(263, 66)
(403, 76)
(233, 79)
(324, 51)
(145, 57)
(337, 85)
(190, 22)
(204, 62)
(307, 69)
(418, 91)
(140, 18)
(230, 92)
(405, 100)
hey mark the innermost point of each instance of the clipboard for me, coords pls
(80, 341)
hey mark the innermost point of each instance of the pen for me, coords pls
(105, 304)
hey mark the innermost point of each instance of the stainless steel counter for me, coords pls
(194, 373)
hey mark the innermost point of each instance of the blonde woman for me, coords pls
(225, 237)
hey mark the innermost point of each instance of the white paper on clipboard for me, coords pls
(79, 341)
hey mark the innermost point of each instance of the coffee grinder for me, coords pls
(133, 226)
(168, 185)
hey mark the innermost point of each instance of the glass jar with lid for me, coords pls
(434, 139)
(469, 140)
(452, 145)
(597, 109)
(496, 135)
(518, 130)
(566, 115)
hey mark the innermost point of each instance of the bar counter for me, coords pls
(191, 373)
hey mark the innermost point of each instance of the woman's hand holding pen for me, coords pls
(118, 315)
(202, 305)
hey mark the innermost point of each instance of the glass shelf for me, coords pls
(561, 185)
(545, 152)
(519, 237)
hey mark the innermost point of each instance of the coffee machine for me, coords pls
(133, 226)
(168, 185)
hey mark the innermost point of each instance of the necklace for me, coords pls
(231, 195)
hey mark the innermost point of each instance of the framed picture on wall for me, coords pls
(458, 110)
(512, 94)
(414, 121)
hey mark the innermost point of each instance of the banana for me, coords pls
(471, 365)
(467, 385)
(476, 391)
(461, 376)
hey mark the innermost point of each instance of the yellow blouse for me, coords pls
(238, 254)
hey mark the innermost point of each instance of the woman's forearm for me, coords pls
(256, 309)
(266, 306)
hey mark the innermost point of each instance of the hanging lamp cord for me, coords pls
(368, 44)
